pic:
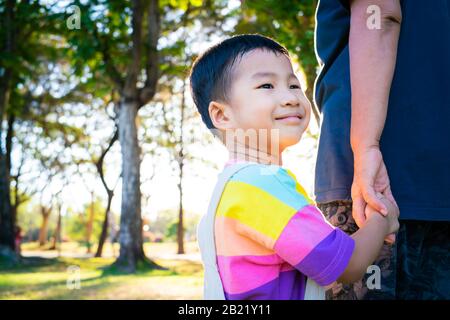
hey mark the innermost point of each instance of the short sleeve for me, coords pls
(314, 247)
(268, 205)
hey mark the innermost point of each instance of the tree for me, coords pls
(120, 43)
(180, 160)
(7, 45)
(107, 36)
(57, 235)
(43, 231)
(28, 49)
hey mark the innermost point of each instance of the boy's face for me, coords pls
(265, 94)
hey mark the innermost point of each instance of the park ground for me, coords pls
(48, 274)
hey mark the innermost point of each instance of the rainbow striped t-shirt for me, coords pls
(270, 237)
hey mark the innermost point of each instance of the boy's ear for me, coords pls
(219, 114)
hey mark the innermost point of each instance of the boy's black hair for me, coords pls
(211, 72)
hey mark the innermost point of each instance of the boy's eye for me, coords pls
(266, 86)
(294, 86)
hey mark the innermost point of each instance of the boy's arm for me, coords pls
(373, 53)
(368, 242)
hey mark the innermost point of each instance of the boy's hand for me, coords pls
(392, 216)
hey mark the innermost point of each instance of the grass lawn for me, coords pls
(47, 278)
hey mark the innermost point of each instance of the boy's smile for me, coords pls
(294, 118)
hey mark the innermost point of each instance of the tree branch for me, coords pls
(99, 163)
(152, 63)
(110, 68)
(135, 51)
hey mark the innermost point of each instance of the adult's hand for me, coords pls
(370, 177)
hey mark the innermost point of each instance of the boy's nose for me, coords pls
(290, 99)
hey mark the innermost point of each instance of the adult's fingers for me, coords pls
(371, 198)
(390, 238)
(388, 194)
(358, 208)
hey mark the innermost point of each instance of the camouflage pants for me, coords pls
(417, 266)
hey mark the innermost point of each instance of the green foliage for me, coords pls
(166, 223)
(290, 23)
(171, 232)
(75, 223)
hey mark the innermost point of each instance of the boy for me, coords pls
(263, 238)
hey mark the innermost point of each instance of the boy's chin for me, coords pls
(289, 142)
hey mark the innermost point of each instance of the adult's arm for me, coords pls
(373, 55)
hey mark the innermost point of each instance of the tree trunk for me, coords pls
(7, 242)
(109, 193)
(105, 225)
(15, 205)
(130, 236)
(180, 231)
(6, 218)
(9, 216)
(89, 224)
(57, 237)
(9, 140)
(9, 146)
(45, 213)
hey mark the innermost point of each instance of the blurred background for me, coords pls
(105, 165)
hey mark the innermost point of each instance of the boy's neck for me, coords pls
(245, 153)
